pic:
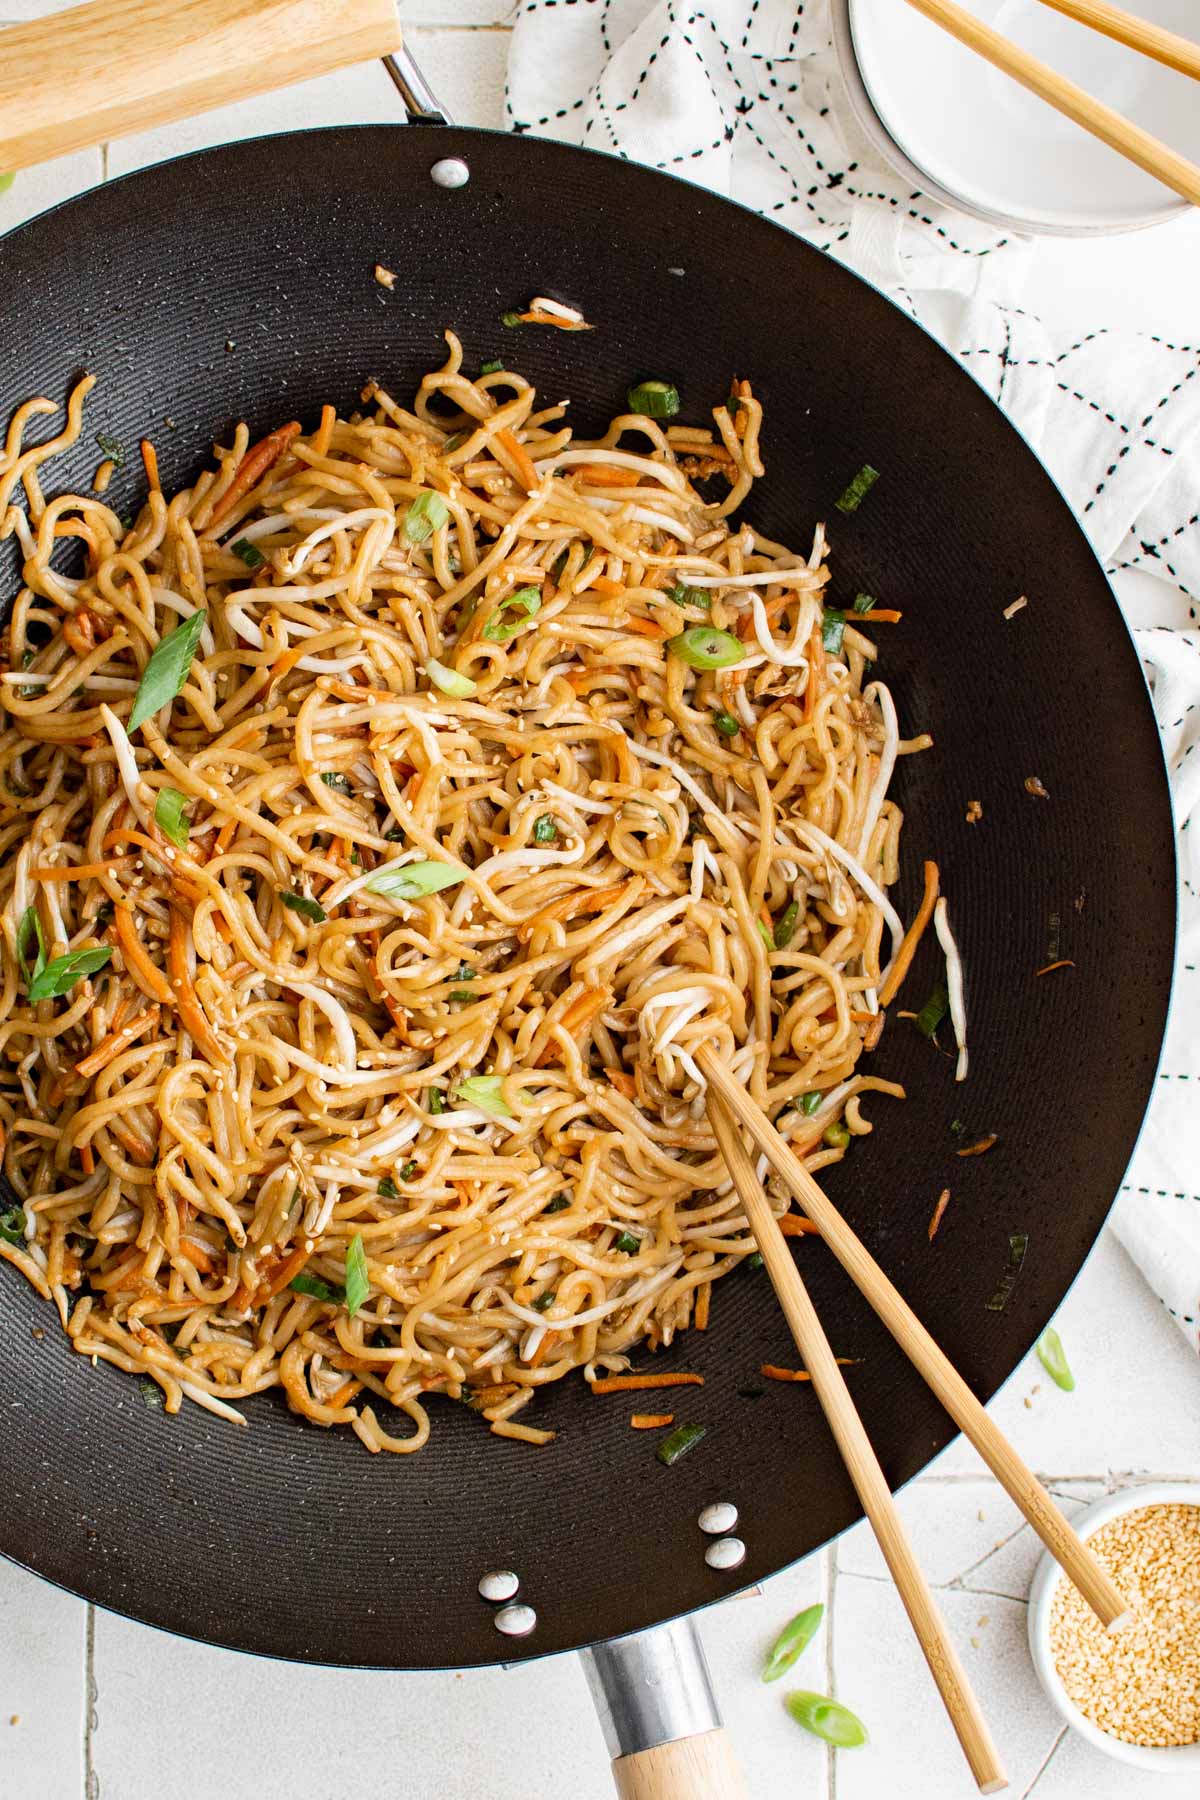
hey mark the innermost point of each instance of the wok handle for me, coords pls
(659, 1716)
(117, 66)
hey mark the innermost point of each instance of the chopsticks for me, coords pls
(1120, 134)
(1138, 34)
(1021, 1484)
(861, 1462)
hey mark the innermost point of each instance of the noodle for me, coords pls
(310, 1126)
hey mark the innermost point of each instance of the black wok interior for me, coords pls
(238, 284)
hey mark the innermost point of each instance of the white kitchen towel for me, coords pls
(745, 96)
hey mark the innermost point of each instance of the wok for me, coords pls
(237, 284)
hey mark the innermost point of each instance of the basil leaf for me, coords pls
(316, 1288)
(300, 903)
(414, 880)
(12, 1226)
(358, 1282)
(168, 815)
(498, 630)
(59, 977)
(30, 939)
(167, 670)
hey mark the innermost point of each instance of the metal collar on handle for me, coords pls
(420, 102)
(652, 1688)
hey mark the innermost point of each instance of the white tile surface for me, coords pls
(178, 1721)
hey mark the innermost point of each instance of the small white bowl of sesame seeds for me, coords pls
(1133, 1693)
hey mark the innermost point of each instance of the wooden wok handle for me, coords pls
(693, 1768)
(117, 66)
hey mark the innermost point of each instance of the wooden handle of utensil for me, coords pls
(692, 1768)
(862, 1464)
(1139, 34)
(1068, 1549)
(118, 66)
(1075, 103)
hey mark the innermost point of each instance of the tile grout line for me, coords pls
(830, 1676)
(91, 1787)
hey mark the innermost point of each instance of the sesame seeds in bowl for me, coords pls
(1134, 1692)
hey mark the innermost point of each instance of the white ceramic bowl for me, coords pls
(968, 135)
(1183, 1759)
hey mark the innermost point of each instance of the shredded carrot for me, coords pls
(878, 615)
(582, 1010)
(126, 1276)
(527, 475)
(622, 1081)
(346, 1392)
(281, 1274)
(862, 1018)
(281, 666)
(985, 1143)
(773, 1372)
(150, 464)
(324, 432)
(912, 937)
(816, 673)
(582, 900)
(607, 475)
(253, 466)
(80, 871)
(939, 1209)
(1064, 962)
(641, 627)
(111, 1047)
(703, 1296)
(148, 976)
(544, 1344)
(537, 317)
(794, 1225)
(604, 584)
(87, 1159)
(651, 1421)
(225, 837)
(629, 1384)
(140, 1148)
(184, 997)
(197, 1255)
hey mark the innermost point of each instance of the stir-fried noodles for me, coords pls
(384, 822)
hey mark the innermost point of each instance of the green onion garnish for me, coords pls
(387, 1189)
(827, 1719)
(837, 1135)
(681, 1440)
(491, 368)
(545, 831)
(689, 596)
(459, 687)
(300, 903)
(543, 1301)
(31, 945)
(456, 442)
(152, 1394)
(165, 673)
(511, 318)
(59, 977)
(484, 1091)
(792, 1641)
(809, 1102)
(250, 554)
(764, 932)
(755, 1261)
(426, 514)
(169, 815)
(112, 447)
(339, 783)
(498, 630)
(559, 1203)
(412, 881)
(434, 1102)
(408, 1171)
(864, 602)
(464, 972)
(358, 1282)
(1053, 1359)
(627, 1243)
(316, 1289)
(833, 630)
(654, 399)
(395, 835)
(726, 724)
(934, 1010)
(785, 927)
(12, 1226)
(1018, 1244)
(704, 647)
(859, 488)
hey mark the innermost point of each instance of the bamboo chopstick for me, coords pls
(1023, 1486)
(870, 1483)
(1139, 34)
(1120, 134)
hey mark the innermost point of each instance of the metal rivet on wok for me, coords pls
(726, 1553)
(498, 1584)
(719, 1518)
(451, 172)
(516, 1620)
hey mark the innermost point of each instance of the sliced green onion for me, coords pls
(511, 318)
(683, 595)
(167, 671)
(484, 1091)
(543, 1301)
(31, 945)
(316, 1289)
(12, 1226)
(464, 972)
(169, 815)
(6, 180)
(461, 994)
(59, 977)
(459, 687)
(854, 495)
(358, 1282)
(545, 831)
(396, 834)
(250, 554)
(792, 1641)
(112, 447)
(339, 783)
(785, 927)
(1053, 1359)
(764, 932)
(809, 1102)
(300, 903)
(957, 1127)
(726, 724)
(152, 1394)
(559, 1203)
(426, 514)
(455, 443)
(1018, 1245)
(755, 1261)
(387, 1189)
(704, 647)
(833, 630)
(434, 1102)
(498, 630)
(654, 399)
(934, 1010)
(627, 1243)
(681, 1440)
(491, 368)
(412, 881)
(837, 1135)
(408, 1171)
(864, 602)
(827, 1719)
